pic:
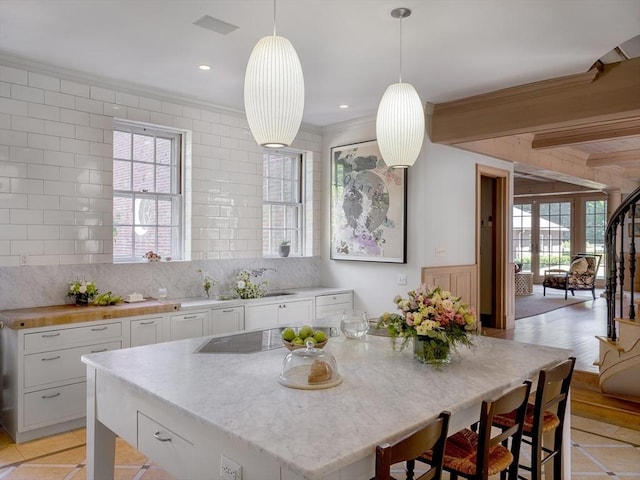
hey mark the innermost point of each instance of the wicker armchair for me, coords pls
(580, 276)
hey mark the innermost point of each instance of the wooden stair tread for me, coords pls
(628, 321)
(589, 403)
(612, 343)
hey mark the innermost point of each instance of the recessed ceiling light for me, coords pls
(204, 67)
(343, 106)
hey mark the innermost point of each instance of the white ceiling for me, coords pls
(348, 48)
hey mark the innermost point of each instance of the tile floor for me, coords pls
(599, 451)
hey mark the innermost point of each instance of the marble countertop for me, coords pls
(318, 432)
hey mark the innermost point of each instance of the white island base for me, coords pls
(186, 410)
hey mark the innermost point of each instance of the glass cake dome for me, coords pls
(309, 369)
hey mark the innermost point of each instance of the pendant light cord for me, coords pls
(274, 18)
(400, 50)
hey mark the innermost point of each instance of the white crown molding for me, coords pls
(362, 121)
(10, 60)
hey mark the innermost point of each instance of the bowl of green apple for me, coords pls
(294, 338)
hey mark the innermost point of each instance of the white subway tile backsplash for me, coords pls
(5, 187)
(14, 75)
(27, 124)
(45, 82)
(74, 88)
(58, 188)
(23, 216)
(182, 122)
(14, 107)
(13, 232)
(59, 99)
(150, 104)
(160, 118)
(89, 190)
(28, 94)
(99, 178)
(91, 161)
(76, 232)
(5, 121)
(88, 218)
(5, 89)
(171, 108)
(101, 205)
(88, 133)
(44, 202)
(59, 217)
(101, 233)
(101, 149)
(100, 121)
(5, 248)
(111, 109)
(12, 200)
(59, 129)
(26, 185)
(89, 105)
(74, 174)
(103, 94)
(75, 146)
(77, 204)
(59, 247)
(46, 142)
(60, 159)
(26, 155)
(13, 138)
(89, 246)
(46, 112)
(138, 115)
(27, 247)
(43, 232)
(74, 116)
(45, 172)
(126, 99)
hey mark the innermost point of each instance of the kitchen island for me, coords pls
(187, 410)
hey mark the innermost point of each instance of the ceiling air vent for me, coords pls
(215, 25)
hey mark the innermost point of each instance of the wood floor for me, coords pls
(574, 327)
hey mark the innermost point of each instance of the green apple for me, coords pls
(305, 332)
(319, 336)
(288, 334)
(297, 341)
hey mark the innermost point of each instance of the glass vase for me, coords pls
(82, 299)
(431, 351)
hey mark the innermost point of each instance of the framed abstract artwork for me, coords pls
(368, 206)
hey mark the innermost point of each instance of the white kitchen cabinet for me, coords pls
(294, 312)
(188, 325)
(44, 389)
(226, 320)
(330, 305)
(147, 331)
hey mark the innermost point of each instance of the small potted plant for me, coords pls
(285, 248)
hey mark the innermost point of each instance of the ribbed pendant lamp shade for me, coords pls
(400, 125)
(274, 92)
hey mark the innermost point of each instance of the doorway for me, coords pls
(493, 217)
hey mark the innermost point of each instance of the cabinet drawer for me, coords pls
(60, 365)
(164, 446)
(188, 325)
(59, 338)
(55, 405)
(322, 300)
(146, 331)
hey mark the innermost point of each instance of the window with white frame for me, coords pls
(282, 219)
(147, 192)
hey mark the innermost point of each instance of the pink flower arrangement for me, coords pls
(430, 314)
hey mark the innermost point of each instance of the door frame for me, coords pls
(503, 290)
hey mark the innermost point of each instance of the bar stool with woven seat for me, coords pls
(430, 437)
(479, 455)
(545, 415)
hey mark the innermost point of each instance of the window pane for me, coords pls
(121, 175)
(143, 148)
(122, 241)
(555, 235)
(163, 179)
(164, 241)
(165, 212)
(595, 226)
(521, 237)
(163, 150)
(145, 211)
(143, 177)
(145, 239)
(121, 145)
(122, 210)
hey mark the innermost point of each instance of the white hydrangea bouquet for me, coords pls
(247, 288)
(83, 291)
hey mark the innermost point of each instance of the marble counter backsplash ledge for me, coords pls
(41, 286)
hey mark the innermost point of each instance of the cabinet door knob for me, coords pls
(160, 438)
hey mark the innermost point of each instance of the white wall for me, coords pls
(440, 214)
(56, 189)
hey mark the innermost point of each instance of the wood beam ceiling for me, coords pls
(594, 97)
(587, 134)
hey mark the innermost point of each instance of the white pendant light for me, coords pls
(400, 120)
(274, 91)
